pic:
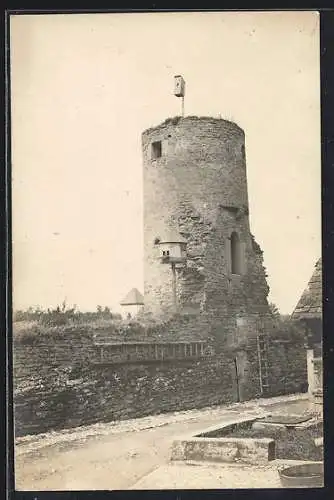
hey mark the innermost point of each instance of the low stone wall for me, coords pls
(225, 450)
(58, 385)
(287, 367)
(57, 400)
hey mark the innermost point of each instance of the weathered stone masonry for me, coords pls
(199, 186)
(58, 385)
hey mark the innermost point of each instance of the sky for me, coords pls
(85, 86)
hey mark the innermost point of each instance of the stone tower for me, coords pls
(195, 185)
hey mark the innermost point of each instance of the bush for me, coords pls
(33, 324)
(292, 444)
(284, 328)
(63, 315)
(287, 329)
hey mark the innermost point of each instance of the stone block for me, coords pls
(225, 450)
(319, 441)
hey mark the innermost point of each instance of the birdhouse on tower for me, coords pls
(173, 252)
(179, 86)
(173, 249)
(179, 89)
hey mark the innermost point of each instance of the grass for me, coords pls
(30, 331)
(291, 443)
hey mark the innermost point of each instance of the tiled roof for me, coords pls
(310, 303)
(134, 297)
(172, 237)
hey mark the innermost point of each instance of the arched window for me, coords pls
(236, 264)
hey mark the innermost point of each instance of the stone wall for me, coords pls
(50, 395)
(291, 356)
(57, 385)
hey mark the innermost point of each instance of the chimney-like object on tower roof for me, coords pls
(179, 86)
(179, 89)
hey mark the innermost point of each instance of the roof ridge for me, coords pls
(310, 302)
(133, 297)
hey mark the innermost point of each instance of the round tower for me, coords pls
(195, 186)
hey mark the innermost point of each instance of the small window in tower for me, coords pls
(156, 150)
(167, 252)
(243, 154)
(164, 253)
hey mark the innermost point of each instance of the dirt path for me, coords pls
(109, 456)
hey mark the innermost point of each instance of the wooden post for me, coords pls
(237, 377)
(174, 286)
(260, 362)
(310, 371)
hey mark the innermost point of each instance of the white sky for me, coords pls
(84, 87)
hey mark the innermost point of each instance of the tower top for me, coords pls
(195, 122)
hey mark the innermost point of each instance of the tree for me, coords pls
(274, 311)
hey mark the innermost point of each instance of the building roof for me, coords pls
(172, 237)
(134, 297)
(310, 303)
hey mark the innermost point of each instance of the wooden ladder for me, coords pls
(262, 352)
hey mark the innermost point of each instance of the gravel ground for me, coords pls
(119, 455)
(214, 476)
(209, 477)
